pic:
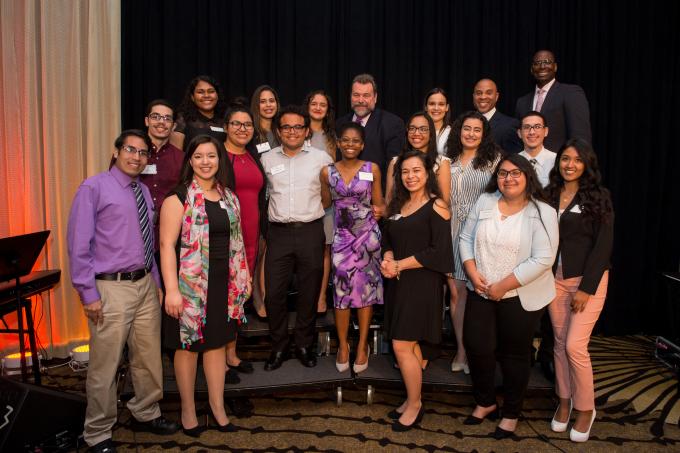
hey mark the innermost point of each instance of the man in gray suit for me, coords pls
(564, 106)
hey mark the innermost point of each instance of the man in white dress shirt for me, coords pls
(532, 130)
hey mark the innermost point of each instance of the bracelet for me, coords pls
(396, 264)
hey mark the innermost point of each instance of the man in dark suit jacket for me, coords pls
(503, 127)
(385, 131)
(564, 106)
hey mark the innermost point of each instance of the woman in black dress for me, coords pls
(417, 255)
(200, 236)
(201, 112)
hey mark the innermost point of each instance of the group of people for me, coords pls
(226, 201)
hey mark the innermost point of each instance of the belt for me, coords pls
(295, 224)
(118, 276)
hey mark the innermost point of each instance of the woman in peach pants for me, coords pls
(586, 222)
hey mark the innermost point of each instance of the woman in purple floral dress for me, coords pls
(353, 186)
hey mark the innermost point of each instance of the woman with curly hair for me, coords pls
(508, 247)
(201, 112)
(264, 104)
(416, 255)
(474, 156)
(586, 220)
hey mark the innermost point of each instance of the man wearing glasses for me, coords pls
(110, 247)
(295, 238)
(533, 130)
(503, 127)
(161, 173)
(564, 106)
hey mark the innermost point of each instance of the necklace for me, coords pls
(567, 196)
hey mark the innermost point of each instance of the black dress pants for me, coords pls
(293, 248)
(499, 330)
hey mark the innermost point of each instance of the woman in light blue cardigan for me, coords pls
(508, 246)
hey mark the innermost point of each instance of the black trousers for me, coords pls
(504, 331)
(293, 248)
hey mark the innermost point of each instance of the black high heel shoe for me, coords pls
(501, 433)
(400, 427)
(393, 414)
(228, 428)
(195, 431)
(472, 420)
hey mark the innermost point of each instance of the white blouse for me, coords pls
(497, 247)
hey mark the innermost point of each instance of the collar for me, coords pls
(488, 115)
(546, 87)
(364, 120)
(305, 149)
(122, 179)
(541, 157)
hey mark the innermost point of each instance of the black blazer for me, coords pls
(504, 131)
(385, 138)
(585, 246)
(566, 110)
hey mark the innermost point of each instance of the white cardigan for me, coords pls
(537, 251)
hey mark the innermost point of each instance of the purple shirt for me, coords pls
(168, 161)
(103, 231)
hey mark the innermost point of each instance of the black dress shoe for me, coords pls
(231, 377)
(393, 414)
(244, 367)
(105, 446)
(501, 434)
(306, 357)
(275, 360)
(472, 420)
(159, 425)
(400, 428)
(195, 431)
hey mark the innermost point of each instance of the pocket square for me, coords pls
(576, 209)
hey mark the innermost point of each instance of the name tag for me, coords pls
(486, 214)
(216, 129)
(365, 176)
(395, 217)
(278, 169)
(576, 209)
(150, 169)
(223, 205)
(263, 147)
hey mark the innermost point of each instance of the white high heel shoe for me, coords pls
(455, 366)
(359, 368)
(577, 436)
(342, 367)
(560, 427)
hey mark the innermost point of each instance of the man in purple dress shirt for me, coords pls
(117, 279)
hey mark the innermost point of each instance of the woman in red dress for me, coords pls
(250, 190)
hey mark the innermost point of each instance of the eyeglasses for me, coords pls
(539, 63)
(514, 174)
(292, 128)
(143, 153)
(350, 141)
(421, 129)
(158, 117)
(528, 127)
(248, 125)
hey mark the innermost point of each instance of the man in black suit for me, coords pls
(503, 127)
(564, 106)
(385, 131)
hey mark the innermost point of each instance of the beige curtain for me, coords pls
(60, 112)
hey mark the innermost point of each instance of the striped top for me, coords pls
(467, 184)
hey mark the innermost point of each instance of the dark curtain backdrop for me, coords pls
(625, 54)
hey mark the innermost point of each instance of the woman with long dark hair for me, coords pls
(206, 276)
(438, 107)
(421, 135)
(586, 220)
(416, 256)
(249, 187)
(508, 246)
(264, 104)
(474, 156)
(201, 111)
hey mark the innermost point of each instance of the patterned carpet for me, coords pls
(637, 400)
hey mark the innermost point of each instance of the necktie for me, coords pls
(143, 215)
(533, 162)
(359, 121)
(539, 99)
